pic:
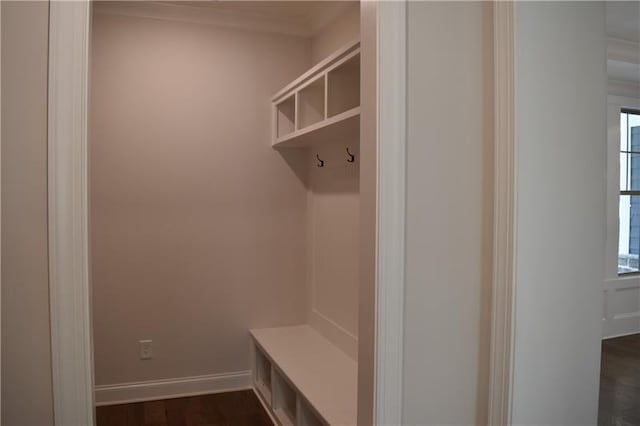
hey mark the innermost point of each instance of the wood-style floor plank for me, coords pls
(620, 382)
(240, 408)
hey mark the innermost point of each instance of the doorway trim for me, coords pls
(391, 210)
(504, 238)
(69, 286)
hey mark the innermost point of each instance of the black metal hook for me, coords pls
(320, 162)
(351, 158)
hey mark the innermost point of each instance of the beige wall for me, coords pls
(343, 29)
(334, 214)
(449, 203)
(198, 225)
(26, 353)
(194, 215)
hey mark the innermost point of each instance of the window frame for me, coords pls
(615, 319)
(623, 105)
(627, 192)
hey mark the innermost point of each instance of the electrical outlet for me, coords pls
(146, 349)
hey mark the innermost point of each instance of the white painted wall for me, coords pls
(449, 213)
(200, 230)
(561, 86)
(197, 224)
(26, 350)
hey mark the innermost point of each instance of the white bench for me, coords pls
(303, 378)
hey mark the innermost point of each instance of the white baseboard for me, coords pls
(621, 325)
(615, 336)
(123, 393)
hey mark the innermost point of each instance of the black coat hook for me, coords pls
(320, 162)
(351, 158)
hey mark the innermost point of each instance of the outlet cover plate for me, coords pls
(146, 349)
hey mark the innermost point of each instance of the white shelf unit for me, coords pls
(321, 104)
(312, 382)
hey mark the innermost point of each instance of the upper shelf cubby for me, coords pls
(321, 104)
(343, 87)
(311, 103)
(285, 116)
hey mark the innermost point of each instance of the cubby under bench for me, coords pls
(303, 379)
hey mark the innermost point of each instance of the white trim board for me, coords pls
(632, 333)
(0, 217)
(124, 393)
(391, 210)
(502, 327)
(70, 293)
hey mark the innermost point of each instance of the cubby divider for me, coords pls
(306, 416)
(284, 401)
(263, 375)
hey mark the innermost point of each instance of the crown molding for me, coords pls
(623, 50)
(201, 15)
(627, 89)
(242, 20)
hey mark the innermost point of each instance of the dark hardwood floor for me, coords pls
(620, 382)
(240, 408)
(619, 399)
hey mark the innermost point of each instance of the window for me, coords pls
(629, 207)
